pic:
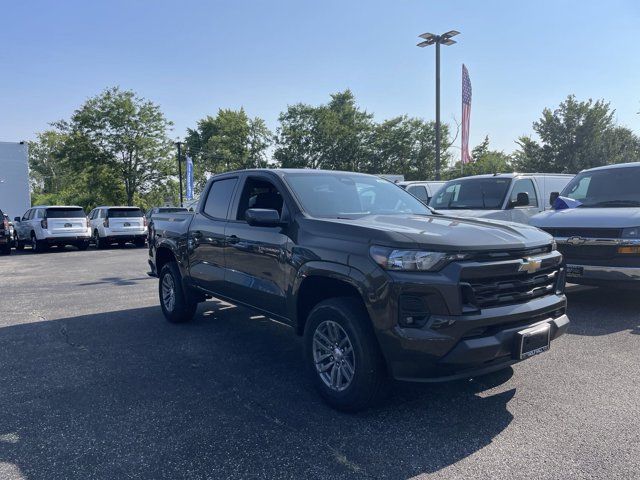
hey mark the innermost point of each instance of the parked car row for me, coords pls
(599, 237)
(44, 226)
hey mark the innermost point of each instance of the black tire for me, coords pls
(183, 307)
(139, 242)
(6, 249)
(37, 246)
(19, 245)
(369, 382)
(100, 242)
(83, 246)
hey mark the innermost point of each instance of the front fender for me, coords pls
(335, 271)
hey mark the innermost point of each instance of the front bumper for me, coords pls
(468, 345)
(603, 274)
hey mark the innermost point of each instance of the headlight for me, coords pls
(412, 260)
(631, 233)
(554, 245)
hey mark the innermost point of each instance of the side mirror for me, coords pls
(553, 197)
(262, 217)
(522, 199)
(16, 219)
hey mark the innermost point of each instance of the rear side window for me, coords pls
(219, 198)
(65, 213)
(125, 212)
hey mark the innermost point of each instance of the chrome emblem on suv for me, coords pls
(530, 265)
(576, 240)
(67, 225)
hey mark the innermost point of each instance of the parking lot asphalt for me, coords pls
(94, 383)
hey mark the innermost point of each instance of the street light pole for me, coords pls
(179, 145)
(431, 39)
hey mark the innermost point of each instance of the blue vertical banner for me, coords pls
(189, 178)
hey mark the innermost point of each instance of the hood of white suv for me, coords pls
(588, 218)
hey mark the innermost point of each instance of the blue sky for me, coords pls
(195, 57)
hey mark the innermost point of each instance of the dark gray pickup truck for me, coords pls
(378, 284)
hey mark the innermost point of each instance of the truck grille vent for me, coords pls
(588, 252)
(585, 232)
(507, 290)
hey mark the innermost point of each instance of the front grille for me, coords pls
(587, 252)
(585, 232)
(511, 289)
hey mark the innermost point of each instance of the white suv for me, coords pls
(118, 225)
(43, 226)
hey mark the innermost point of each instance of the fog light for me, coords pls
(413, 311)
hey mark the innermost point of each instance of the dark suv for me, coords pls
(379, 285)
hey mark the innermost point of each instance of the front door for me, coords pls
(256, 260)
(522, 213)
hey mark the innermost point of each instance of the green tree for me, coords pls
(575, 136)
(118, 141)
(229, 141)
(406, 146)
(47, 168)
(333, 136)
(484, 160)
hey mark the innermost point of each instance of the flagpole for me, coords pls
(462, 118)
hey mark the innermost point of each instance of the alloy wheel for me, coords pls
(333, 355)
(168, 293)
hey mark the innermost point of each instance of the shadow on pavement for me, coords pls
(600, 311)
(125, 394)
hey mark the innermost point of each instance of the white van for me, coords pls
(513, 197)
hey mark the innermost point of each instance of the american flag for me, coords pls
(466, 114)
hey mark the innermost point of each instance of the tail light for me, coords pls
(43, 224)
(144, 221)
(106, 223)
(5, 222)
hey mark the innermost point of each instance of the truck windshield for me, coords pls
(472, 193)
(351, 195)
(613, 187)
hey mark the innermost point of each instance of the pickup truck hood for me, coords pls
(588, 218)
(497, 214)
(448, 233)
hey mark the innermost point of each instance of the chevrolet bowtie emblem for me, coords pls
(530, 265)
(576, 240)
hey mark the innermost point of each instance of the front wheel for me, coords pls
(176, 305)
(343, 356)
(6, 249)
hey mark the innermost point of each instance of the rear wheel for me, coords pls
(83, 245)
(177, 306)
(99, 242)
(6, 249)
(139, 242)
(343, 356)
(37, 246)
(19, 244)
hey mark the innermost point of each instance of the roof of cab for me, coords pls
(56, 206)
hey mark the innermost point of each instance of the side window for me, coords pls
(219, 198)
(418, 191)
(26, 215)
(259, 193)
(524, 185)
(580, 190)
(39, 213)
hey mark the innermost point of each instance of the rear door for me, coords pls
(126, 220)
(66, 221)
(206, 240)
(22, 227)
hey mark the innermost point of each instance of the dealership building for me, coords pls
(14, 178)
